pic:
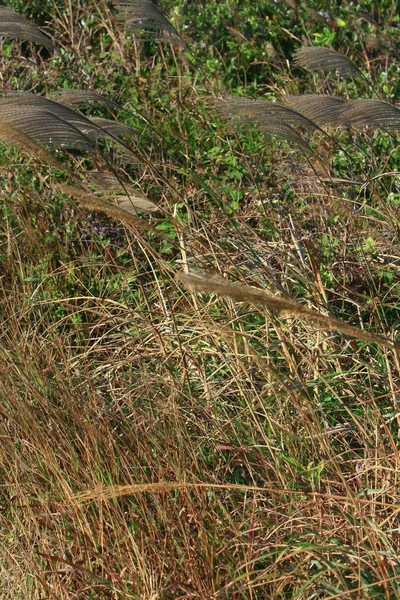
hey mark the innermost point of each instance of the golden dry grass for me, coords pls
(168, 434)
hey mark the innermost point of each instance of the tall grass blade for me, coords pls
(135, 15)
(75, 96)
(10, 135)
(45, 127)
(262, 110)
(270, 118)
(125, 214)
(315, 58)
(15, 26)
(59, 125)
(34, 104)
(107, 126)
(370, 112)
(242, 293)
(123, 193)
(322, 110)
(363, 112)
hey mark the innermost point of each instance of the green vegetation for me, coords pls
(199, 260)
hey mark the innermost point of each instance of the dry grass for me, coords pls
(160, 442)
(174, 454)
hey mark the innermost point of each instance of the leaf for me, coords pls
(15, 26)
(135, 15)
(315, 58)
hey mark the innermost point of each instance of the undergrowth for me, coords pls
(199, 363)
